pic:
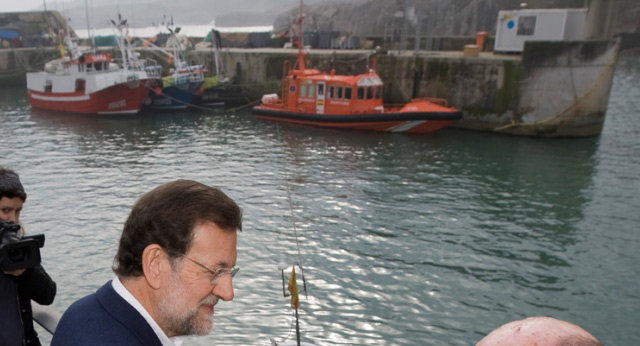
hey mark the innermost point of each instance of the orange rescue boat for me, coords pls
(311, 97)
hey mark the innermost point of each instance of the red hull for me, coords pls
(414, 126)
(125, 98)
(419, 121)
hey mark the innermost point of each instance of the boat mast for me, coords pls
(129, 59)
(301, 65)
(72, 46)
(215, 52)
(86, 9)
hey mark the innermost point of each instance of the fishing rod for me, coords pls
(292, 287)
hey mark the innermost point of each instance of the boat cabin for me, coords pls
(95, 62)
(310, 91)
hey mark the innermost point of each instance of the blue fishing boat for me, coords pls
(184, 82)
(178, 90)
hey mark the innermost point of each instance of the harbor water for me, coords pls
(405, 240)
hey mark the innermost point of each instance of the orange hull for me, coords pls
(417, 116)
(420, 126)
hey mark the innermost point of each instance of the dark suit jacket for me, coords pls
(103, 318)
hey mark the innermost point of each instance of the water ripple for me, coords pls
(403, 238)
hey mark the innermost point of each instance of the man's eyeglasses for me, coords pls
(218, 274)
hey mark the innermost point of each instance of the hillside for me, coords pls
(350, 17)
(438, 17)
(143, 13)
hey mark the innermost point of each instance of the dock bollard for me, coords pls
(480, 36)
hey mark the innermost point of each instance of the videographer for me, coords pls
(18, 286)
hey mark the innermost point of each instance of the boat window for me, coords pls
(320, 89)
(347, 93)
(339, 92)
(330, 94)
(303, 90)
(80, 84)
(369, 93)
(378, 92)
(360, 93)
(310, 90)
(48, 86)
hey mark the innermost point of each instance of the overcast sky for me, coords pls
(30, 5)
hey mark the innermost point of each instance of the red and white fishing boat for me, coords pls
(91, 83)
(311, 97)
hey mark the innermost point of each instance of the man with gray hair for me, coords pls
(18, 286)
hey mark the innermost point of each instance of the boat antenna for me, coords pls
(372, 60)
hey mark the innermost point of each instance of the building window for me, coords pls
(526, 25)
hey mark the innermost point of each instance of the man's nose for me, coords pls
(224, 289)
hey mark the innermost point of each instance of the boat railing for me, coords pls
(45, 316)
(153, 71)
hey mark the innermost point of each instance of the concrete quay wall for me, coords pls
(553, 89)
(16, 62)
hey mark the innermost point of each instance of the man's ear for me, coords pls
(155, 264)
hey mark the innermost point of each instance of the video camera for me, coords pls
(15, 252)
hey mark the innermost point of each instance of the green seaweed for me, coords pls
(507, 96)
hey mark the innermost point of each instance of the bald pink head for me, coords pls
(539, 331)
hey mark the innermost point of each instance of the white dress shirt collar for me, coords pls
(126, 295)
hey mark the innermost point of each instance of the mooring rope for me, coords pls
(293, 223)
